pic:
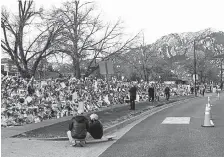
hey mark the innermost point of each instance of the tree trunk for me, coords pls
(76, 66)
(35, 65)
(221, 71)
(78, 71)
(201, 76)
(24, 73)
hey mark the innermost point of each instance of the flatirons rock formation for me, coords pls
(179, 47)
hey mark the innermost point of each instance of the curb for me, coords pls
(113, 128)
(17, 130)
(151, 111)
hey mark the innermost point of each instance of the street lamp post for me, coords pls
(221, 73)
(195, 90)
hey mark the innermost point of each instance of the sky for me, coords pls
(155, 18)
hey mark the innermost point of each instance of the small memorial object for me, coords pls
(81, 107)
(74, 96)
(43, 83)
(106, 99)
(62, 84)
(29, 99)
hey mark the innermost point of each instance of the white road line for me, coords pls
(176, 120)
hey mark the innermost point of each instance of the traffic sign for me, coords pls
(106, 67)
(194, 77)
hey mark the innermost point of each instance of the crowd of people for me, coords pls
(30, 101)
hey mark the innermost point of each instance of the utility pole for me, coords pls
(221, 72)
(195, 90)
(107, 76)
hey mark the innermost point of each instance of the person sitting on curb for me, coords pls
(95, 127)
(78, 128)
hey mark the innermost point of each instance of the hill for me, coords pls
(174, 53)
(179, 47)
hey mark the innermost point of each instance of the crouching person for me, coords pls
(95, 127)
(78, 128)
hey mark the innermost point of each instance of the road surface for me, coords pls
(153, 138)
(145, 137)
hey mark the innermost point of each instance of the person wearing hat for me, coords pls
(151, 93)
(132, 91)
(78, 127)
(95, 127)
(167, 92)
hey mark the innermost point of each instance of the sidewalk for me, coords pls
(57, 127)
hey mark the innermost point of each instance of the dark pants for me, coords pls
(167, 96)
(203, 92)
(132, 103)
(151, 97)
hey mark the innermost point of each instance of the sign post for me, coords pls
(106, 68)
(108, 86)
(195, 77)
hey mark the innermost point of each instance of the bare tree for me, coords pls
(142, 60)
(85, 37)
(25, 52)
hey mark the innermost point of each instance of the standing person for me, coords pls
(95, 127)
(203, 90)
(78, 128)
(132, 91)
(197, 89)
(221, 85)
(218, 90)
(151, 93)
(167, 93)
(30, 87)
(192, 90)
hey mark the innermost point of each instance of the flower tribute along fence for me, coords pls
(32, 101)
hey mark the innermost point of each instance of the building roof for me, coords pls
(6, 60)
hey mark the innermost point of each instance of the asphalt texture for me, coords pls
(107, 117)
(151, 138)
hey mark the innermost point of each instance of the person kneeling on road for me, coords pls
(78, 128)
(95, 127)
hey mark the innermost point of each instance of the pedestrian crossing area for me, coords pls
(176, 120)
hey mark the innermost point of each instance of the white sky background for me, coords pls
(155, 18)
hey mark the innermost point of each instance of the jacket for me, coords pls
(167, 90)
(96, 129)
(151, 91)
(133, 91)
(79, 125)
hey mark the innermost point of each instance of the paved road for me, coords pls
(152, 138)
(145, 137)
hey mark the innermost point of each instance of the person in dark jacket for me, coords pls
(203, 90)
(78, 128)
(30, 87)
(192, 90)
(95, 127)
(151, 93)
(132, 92)
(167, 93)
